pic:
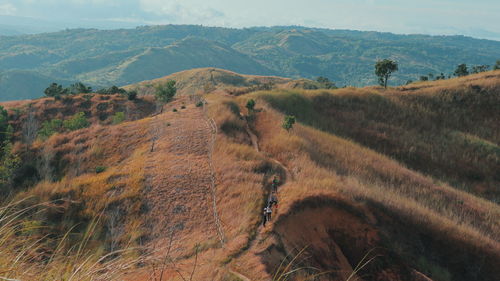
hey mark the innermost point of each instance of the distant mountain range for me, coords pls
(100, 58)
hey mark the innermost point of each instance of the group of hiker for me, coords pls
(271, 202)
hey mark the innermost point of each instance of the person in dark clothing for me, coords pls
(273, 200)
(264, 218)
(275, 184)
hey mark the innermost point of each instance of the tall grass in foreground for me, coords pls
(26, 255)
(289, 268)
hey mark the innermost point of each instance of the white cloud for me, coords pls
(7, 9)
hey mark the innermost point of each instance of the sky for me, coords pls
(476, 18)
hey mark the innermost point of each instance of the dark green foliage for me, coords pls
(9, 163)
(79, 88)
(55, 90)
(326, 83)
(132, 95)
(424, 78)
(288, 122)
(174, 110)
(111, 91)
(4, 119)
(49, 128)
(250, 105)
(199, 104)
(76, 122)
(497, 65)
(166, 92)
(479, 68)
(461, 70)
(440, 76)
(384, 69)
(100, 169)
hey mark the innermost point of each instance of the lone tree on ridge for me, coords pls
(384, 69)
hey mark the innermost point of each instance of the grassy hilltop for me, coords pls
(405, 178)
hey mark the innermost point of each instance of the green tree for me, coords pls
(384, 69)
(326, 83)
(76, 122)
(250, 105)
(55, 90)
(288, 122)
(79, 88)
(440, 76)
(9, 163)
(49, 128)
(118, 117)
(424, 78)
(166, 92)
(497, 65)
(111, 91)
(4, 124)
(461, 70)
(479, 68)
(132, 95)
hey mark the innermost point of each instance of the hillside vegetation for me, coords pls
(125, 56)
(404, 178)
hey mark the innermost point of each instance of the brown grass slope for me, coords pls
(422, 224)
(343, 197)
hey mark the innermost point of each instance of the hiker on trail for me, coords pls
(275, 183)
(264, 219)
(273, 200)
(269, 211)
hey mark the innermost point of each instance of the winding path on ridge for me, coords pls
(180, 179)
(267, 189)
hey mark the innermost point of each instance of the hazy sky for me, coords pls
(478, 18)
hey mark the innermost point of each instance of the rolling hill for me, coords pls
(374, 184)
(102, 58)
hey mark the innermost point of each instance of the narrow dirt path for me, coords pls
(179, 176)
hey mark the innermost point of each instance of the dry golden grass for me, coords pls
(321, 162)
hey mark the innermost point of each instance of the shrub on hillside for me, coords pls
(100, 169)
(288, 122)
(79, 88)
(497, 65)
(166, 92)
(55, 90)
(111, 91)
(118, 117)
(76, 122)
(49, 128)
(461, 70)
(132, 95)
(250, 105)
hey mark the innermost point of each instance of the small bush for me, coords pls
(166, 92)
(174, 110)
(118, 117)
(76, 122)
(199, 104)
(250, 105)
(288, 122)
(132, 95)
(49, 128)
(100, 169)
